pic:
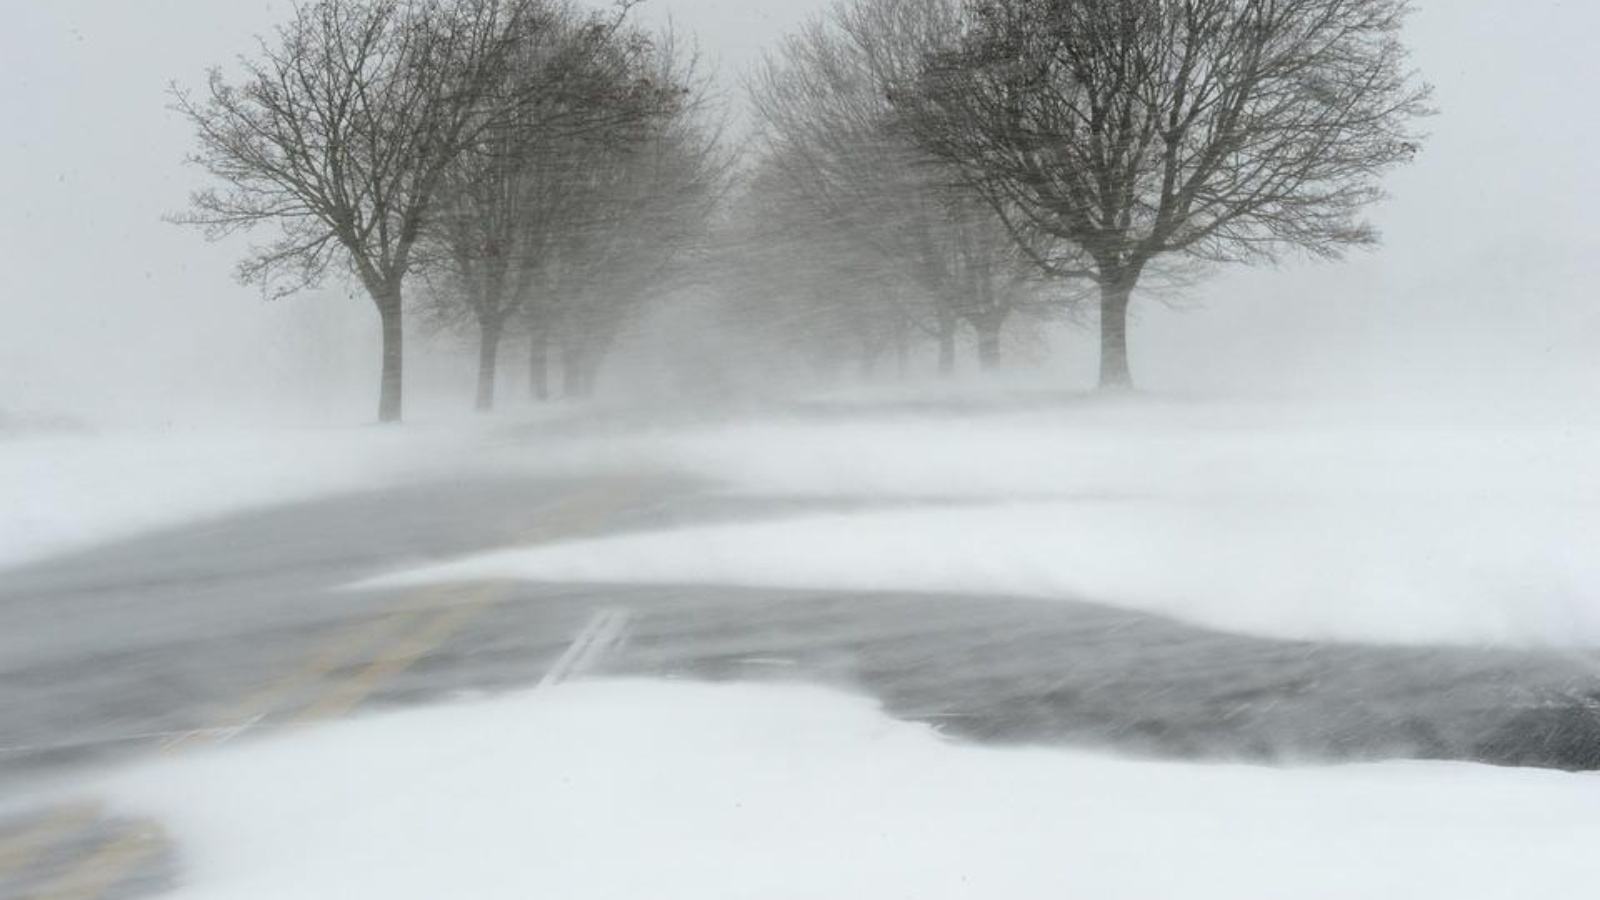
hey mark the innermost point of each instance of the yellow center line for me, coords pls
(582, 511)
(349, 694)
(333, 656)
(118, 859)
(21, 849)
(111, 864)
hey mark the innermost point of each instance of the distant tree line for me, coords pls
(538, 165)
(920, 170)
(990, 160)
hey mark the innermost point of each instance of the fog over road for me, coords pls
(796, 449)
(244, 625)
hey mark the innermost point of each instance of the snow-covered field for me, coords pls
(1258, 519)
(627, 790)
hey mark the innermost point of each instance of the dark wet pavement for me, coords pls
(123, 651)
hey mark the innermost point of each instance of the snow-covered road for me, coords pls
(924, 654)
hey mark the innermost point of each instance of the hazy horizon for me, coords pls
(109, 314)
(772, 531)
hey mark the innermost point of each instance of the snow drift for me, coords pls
(1293, 524)
(611, 790)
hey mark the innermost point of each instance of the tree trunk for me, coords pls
(592, 364)
(947, 345)
(989, 328)
(488, 358)
(1115, 297)
(867, 364)
(539, 366)
(392, 380)
(571, 373)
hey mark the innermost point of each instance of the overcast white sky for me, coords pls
(1489, 271)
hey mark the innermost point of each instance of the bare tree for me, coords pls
(828, 129)
(648, 197)
(1222, 130)
(797, 284)
(339, 133)
(508, 202)
(499, 220)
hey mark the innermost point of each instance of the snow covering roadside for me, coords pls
(1298, 574)
(1230, 517)
(63, 492)
(1194, 451)
(1297, 524)
(611, 790)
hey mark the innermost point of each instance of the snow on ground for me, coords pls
(1329, 574)
(1295, 522)
(1235, 517)
(625, 790)
(1204, 451)
(64, 492)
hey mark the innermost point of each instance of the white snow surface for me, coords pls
(1233, 517)
(1257, 518)
(1316, 574)
(627, 789)
(63, 492)
(1173, 451)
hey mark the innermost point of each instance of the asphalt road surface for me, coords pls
(234, 627)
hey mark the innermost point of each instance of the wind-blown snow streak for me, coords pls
(1222, 516)
(1320, 574)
